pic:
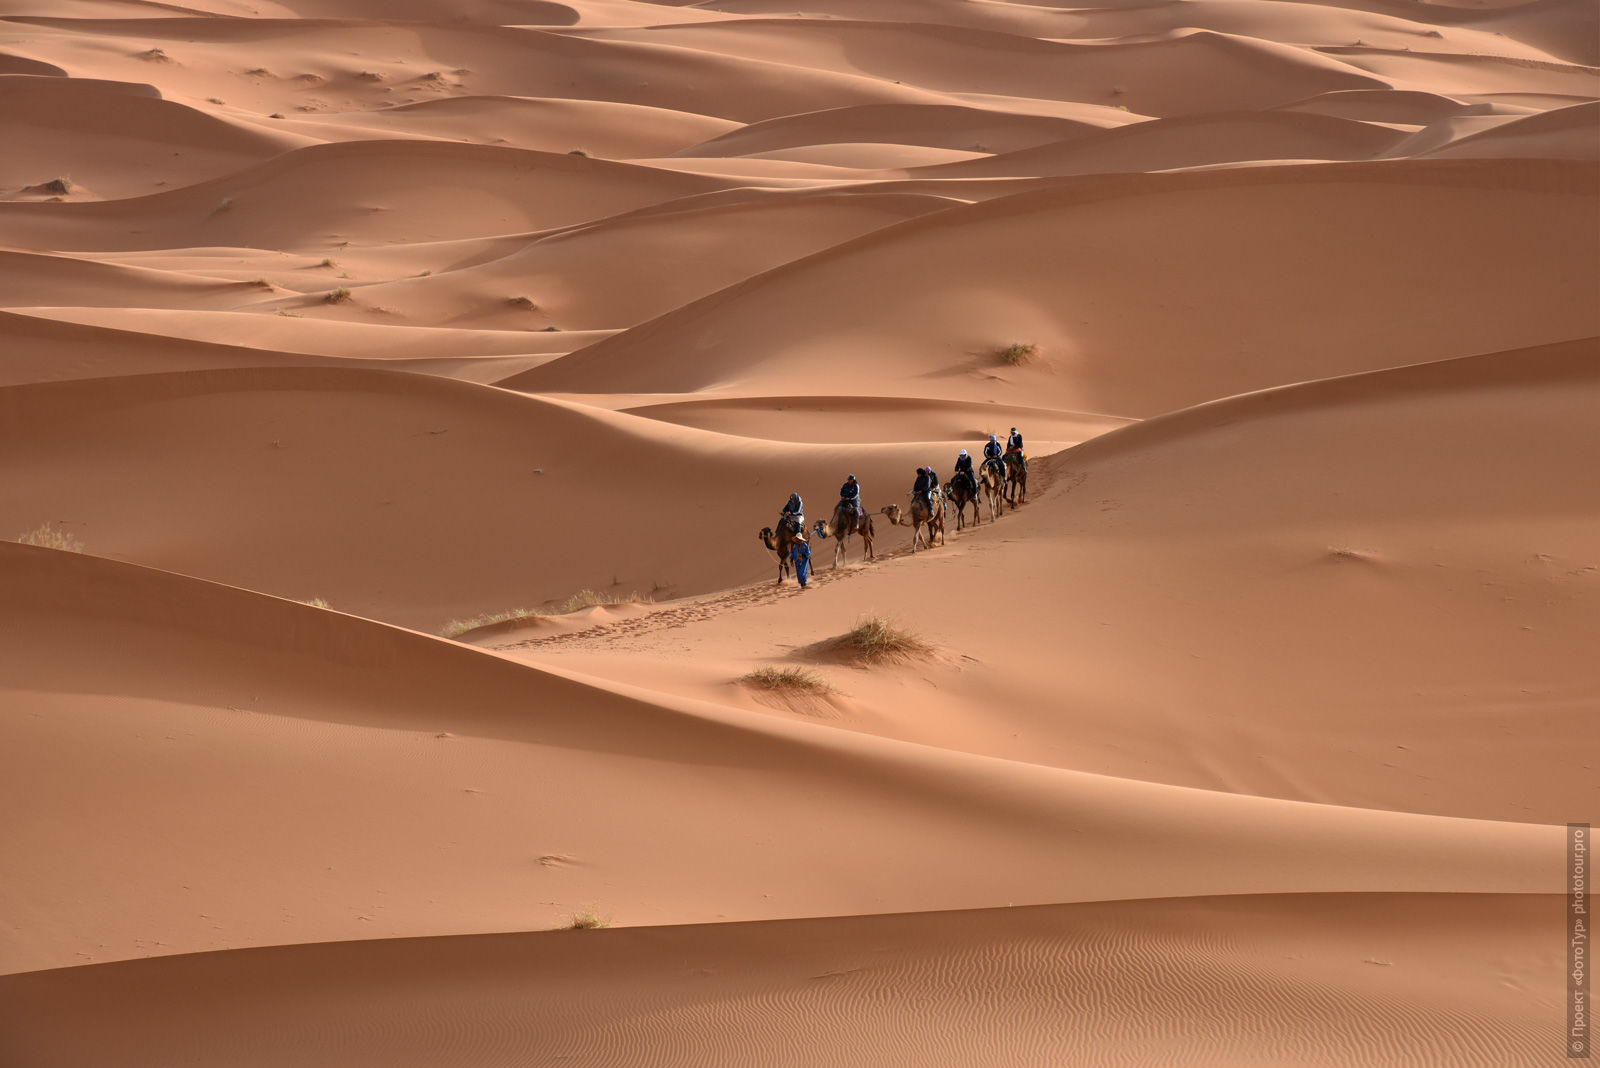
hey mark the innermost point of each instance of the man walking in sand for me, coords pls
(800, 556)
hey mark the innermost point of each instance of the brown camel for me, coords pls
(847, 520)
(992, 480)
(1016, 478)
(781, 543)
(959, 494)
(929, 515)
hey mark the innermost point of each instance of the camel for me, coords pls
(922, 515)
(992, 481)
(959, 494)
(847, 520)
(781, 543)
(1016, 479)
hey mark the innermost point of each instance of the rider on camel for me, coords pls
(794, 513)
(850, 493)
(1014, 447)
(964, 473)
(924, 486)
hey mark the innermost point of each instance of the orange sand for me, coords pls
(330, 327)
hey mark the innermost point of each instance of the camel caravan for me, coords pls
(1001, 480)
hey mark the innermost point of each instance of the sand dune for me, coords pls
(1002, 987)
(1396, 106)
(319, 66)
(297, 535)
(1247, 737)
(932, 126)
(1168, 144)
(275, 690)
(1218, 72)
(39, 349)
(364, 191)
(1207, 593)
(114, 139)
(316, 336)
(1246, 269)
(1565, 133)
(31, 277)
(1466, 73)
(881, 418)
(597, 128)
(622, 271)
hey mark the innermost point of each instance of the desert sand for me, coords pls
(392, 393)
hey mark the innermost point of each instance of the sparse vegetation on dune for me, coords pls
(457, 627)
(58, 186)
(337, 296)
(788, 680)
(1017, 352)
(879, 639)
(47, 536)
(317, 602)
(585, 598)
(587, 918)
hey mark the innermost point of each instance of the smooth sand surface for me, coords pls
(392, 393)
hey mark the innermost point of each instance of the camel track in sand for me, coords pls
(734, 600)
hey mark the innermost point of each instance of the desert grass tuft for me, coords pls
(587, 918)
(49, 537)
(1017, 352)
(587, 598)
(337, 296)
(788, 680)
(317, 602)
(878, 639)
(457, 627)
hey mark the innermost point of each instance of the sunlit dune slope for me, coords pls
(1149, 293)
(1266, 980)
(385, 783)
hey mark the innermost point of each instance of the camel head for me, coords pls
(821, 529)
(893, 512)
(766, 538)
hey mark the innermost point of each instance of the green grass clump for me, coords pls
(877, 639)
(788, 680)
(48, 537)
(1016, 353)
